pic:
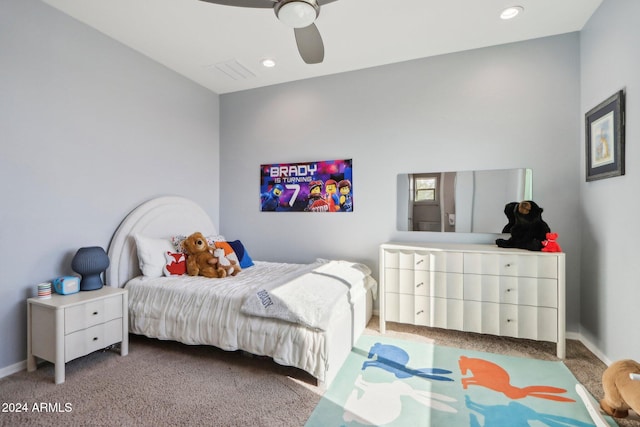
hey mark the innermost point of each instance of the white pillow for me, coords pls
(151, 254)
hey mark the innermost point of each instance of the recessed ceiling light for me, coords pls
(511, 12)
(268, 63)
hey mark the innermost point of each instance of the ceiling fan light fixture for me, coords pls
(511, 12)
(297, 13)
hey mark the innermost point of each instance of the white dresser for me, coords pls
(66, 327)
(474, 288)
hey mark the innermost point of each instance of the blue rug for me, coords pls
(392, 382)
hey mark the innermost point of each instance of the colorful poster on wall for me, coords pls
(324, 186)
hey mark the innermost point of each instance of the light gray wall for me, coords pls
(88, 130)
(510, 106)
(610, 284)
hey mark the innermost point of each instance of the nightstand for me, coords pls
(66, 327)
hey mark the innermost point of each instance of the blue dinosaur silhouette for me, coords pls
(394, 359)
(515, 414)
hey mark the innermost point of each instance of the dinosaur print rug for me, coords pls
(392, 382)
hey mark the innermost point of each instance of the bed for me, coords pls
(231, 313)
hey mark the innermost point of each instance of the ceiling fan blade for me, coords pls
(267, 4)
(310, 44)
(322, 2)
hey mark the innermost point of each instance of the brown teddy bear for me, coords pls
(200, 259)
(621, 393)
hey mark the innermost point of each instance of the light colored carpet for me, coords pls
(164, 383)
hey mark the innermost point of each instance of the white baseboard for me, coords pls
(12, 369)
(590, 346)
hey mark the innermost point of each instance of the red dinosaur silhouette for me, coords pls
(494, 377)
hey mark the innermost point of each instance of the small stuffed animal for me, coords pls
(200, 259)
(176, 264)
(526, 226)
(550, 245)
(621, 393)
(230, 267)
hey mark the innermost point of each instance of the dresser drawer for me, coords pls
(537, 323)
(447, 313)
(405, 308)
(511, 265)
(426, 283)
(424, 311)
(92, 313)
(511, 290)
(424, 260)
(91, 339)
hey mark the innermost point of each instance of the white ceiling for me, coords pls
(197, 39)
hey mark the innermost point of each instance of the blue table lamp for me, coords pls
(90, 262)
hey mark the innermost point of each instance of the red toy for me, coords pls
(550, 245)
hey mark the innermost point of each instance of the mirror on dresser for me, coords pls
(460, 201)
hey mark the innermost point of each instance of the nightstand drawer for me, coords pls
(91, 339)
(92, 313)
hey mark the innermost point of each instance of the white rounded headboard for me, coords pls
(161, 217)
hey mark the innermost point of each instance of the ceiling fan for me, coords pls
(298, 14)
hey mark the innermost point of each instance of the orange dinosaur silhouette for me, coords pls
(494, 377)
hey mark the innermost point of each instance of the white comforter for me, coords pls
(197, 310)
(307, 298)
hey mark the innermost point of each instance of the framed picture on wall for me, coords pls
(319, 186)
(604, 132)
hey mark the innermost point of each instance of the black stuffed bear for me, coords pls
(526, 226)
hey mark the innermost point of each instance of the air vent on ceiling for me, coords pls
(232, 69)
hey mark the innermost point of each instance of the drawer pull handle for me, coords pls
(509, 290)
(508, 265)
(420, 312)
(95, 313)
(419, 284)
(420, 262)
(95, 338)
(510, 320)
